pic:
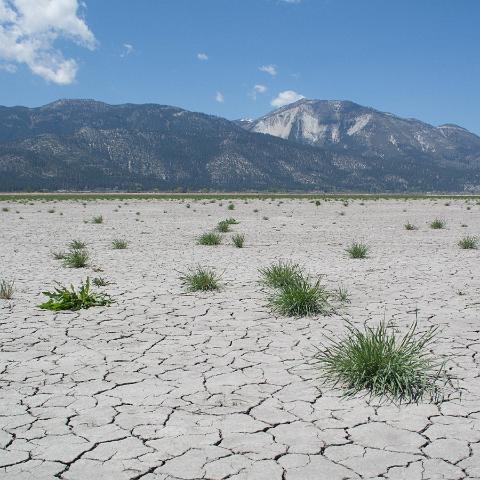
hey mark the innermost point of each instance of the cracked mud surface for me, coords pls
(168, 385)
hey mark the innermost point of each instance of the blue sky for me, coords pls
(414, 58)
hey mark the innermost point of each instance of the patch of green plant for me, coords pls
(6, 289)
(238, 240)
(358, 250)
(97, 219)
(5, 209)
(58, 255)
(63, 298)
(209, 238)
(77, 245)
(232, 221)
(468, 243)
(231, 206)
(223, 226)
(200, 279)
(100, 282)
(342, 294)
(382, 363)
(438, 224)
(119, 244)
(410, 226)
(301, 298)
(76, 258)
(280, 274)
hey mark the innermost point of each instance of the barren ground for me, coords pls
(169, 385)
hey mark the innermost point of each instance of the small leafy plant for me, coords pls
(238, 240)
(231, 206)
(232, 221)
(63, 298)
(383, 364)
(223, 226)
(77, 245)
(100, 282)
(6, 290)
(97, 219)
(358, 250)
(119, 244)
(209, 238)
(200, 279)
(438, 224)
(468, 243)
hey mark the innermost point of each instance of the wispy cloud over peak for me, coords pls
(286, 97)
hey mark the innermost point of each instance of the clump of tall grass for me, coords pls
(97, 219)
(358, 250)
(200, 279)
(77, 245)
(231, 206)
(6, 289)
(238, 240)
(438, 224)
(76, 258)
(468, 243)
(209, 238)
(280, 274)
(223, 226)
(410, 226)
(63, 298)
(383, 364)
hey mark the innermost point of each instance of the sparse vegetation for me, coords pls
(280, 274)
(238, 240)
(358, 250)
(468, 243)
(231, 206)
(100, 282)
(58, 255)
(6, 289)
(97, 219)
(77, 245)
(383, 364)
(438, 224)
(209, 238)
(223, 226)
(63, 298)
(410, 226)
(119, 244)
(232, 221)
(301, 298)
(76, 258)
(200, 279)
(342, 295)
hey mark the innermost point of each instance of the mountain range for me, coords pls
(310, 145)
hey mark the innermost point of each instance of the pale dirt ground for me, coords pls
(168, 385)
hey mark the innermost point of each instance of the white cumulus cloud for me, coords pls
(219, 97)
(29, 30)
(127, 50)
(256, 90)
(202, 56)
(286, 97)
(270, 69)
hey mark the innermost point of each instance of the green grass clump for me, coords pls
(77, 245)
(410, 226)
(100, 282)
(223, 226)
(63, 298)
(231, 206)
(6, 290)
(76, 258)
(232, 221)
(200, 279)
(58, 255)
(437, 224)
(5, 209)
(238, 240)
(280, 274)
(468, 243)
(97, 219)
(342, 294)
(358, 250)
(301, 298)
(383, 364)
(209, 238)
(119, 244)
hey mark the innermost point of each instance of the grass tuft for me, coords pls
(438, 224)
(238, 240)
(358, 250)
(200, 279)
(100, 282)
(223, 226)
(383, 364)
(119, 244)
(410, 226)
(6, 290)
(209, 238)
(77, 245)
(63, 298)
(301, 298)
(468, 243)
(97, 219)
(280, 274)
(231, 206)
(76, 258)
